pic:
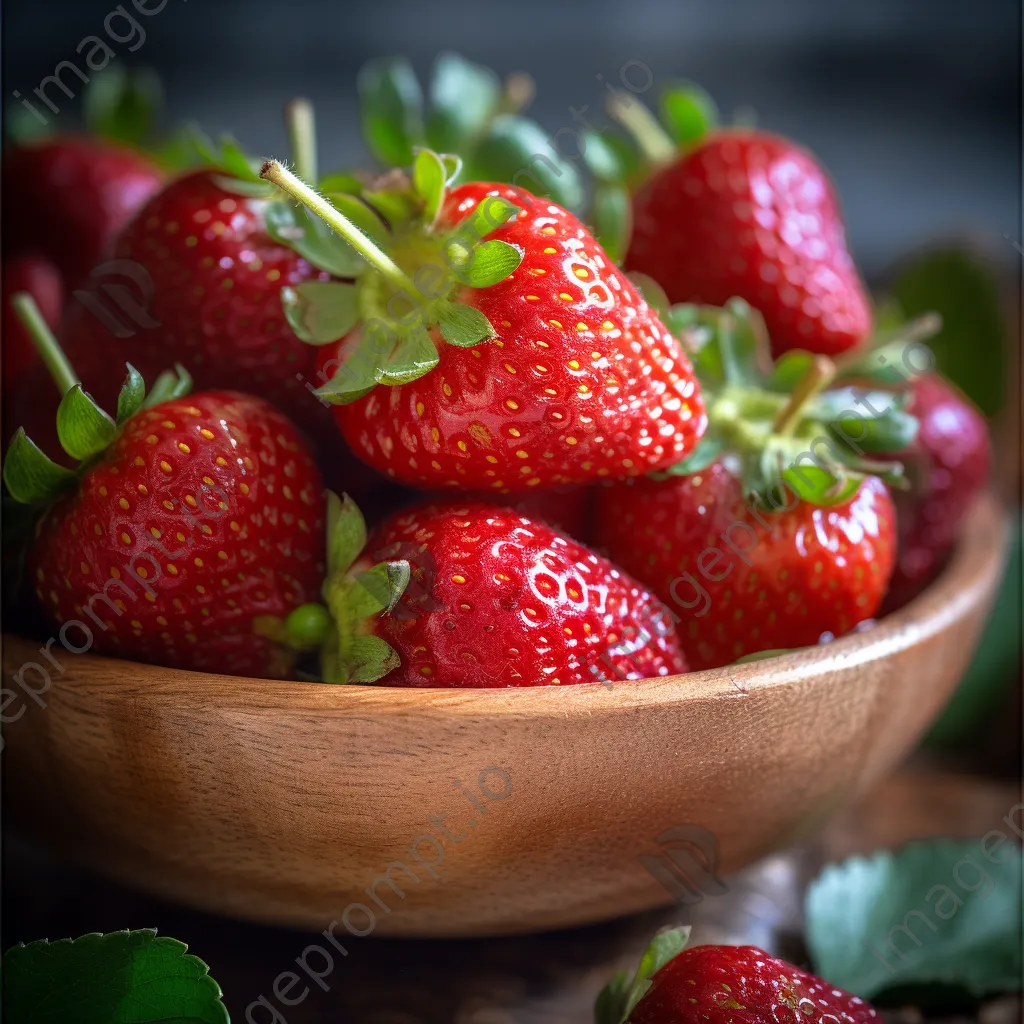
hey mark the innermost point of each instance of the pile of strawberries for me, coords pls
(572, 473)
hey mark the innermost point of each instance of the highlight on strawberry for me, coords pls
(489, 342)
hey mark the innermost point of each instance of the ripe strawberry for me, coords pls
(724, 985)
(41, 279)
(66, 197)
(217, 277)
(497, 599)
(774, 533)
(753, 215)
(948, 463)
(555, 370)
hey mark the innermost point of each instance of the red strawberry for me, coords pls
(216, 297)
(566, 508)
(753, 215)
(556, 371)
(497, 599)
(725, 985)
(66, 197)
(41, 279)
(949, 463)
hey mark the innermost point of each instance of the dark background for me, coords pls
(914, 105)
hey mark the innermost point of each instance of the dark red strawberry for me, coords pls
(555, 369)
(948, 464)
(492, 598)
(724, 985)
(190, 534)
(566, 508)
(776, 533)
(66, 197)
(217, 277)
(753, 215)
(42, 280)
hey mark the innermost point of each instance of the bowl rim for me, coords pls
(972, 571)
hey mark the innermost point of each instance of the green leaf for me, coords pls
(321, 311)
(428, 178)
(604, 160)
(971, 347)
(228, 156)
(709, 448)
(519, 151)
(244, 187)
(379, 589)
(30, 475)
(452, 167)
(621, 994)
(961, 909)
(489, 215)
(122, 105)
(489, 263)
(364, 216)
(346, 533)
(652, 292)
(817, 486)
(688, 112)
(341, 181)
(789, 369)
(463, 98)
(413, 356)
(169, 385)
(397, 206)
(391, 103)
(612, 219)
(83, 427)
(131, 396)
(890, 433)
(312, 239)
(371, 659)
(128, 977)
(464, 326)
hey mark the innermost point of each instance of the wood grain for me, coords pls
(283, 802)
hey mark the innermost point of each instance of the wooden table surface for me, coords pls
(542, 979)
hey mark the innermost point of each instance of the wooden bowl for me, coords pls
(497, 811)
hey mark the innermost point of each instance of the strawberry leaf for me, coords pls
(397, 206)
(463, 98)
(362, 215)
(133, 977)
(489, 215)
(610, 158)
(341, 181)
(413, 356)
(320, 311)
(818, 486)
(789, 369)
(489, 263)
(518, 150)
(83, 428)
(620, 997)
(452, 167)
(379, 589)
(428, 178)
(688, 112)
(169, 385)
(123, 105)
(612, 219)
(346, 533)
(312, 239)
(464, 326)
(228, 156)
(370, 659)
(392, 109)
(131, 396)
(30, 475)
(708, 449)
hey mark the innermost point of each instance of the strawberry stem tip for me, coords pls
(274, 172)
(301, 124)
(61, 370)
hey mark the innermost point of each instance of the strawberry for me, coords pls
(948, 463)
(753, 215)
(488, 598)
(66, 197)
(723, 985)
(513, 354)
(189, 535)
(42, 280)
(751, 547)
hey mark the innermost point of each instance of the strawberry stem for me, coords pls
(301, 125)
(61, 370)
(820, 374)
(637, 119)
(280, 176)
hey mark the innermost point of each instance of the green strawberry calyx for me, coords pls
(412, 274)
(83, 428)
(353, 597)
(620, 996)
(783, 426)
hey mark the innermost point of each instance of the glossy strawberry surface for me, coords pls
(216, 298)
(752, 214)
(66, 197)
(741, 578)
(948, 464)
(204, 514)
(582, 381)
(498, 599)
(744, 985)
